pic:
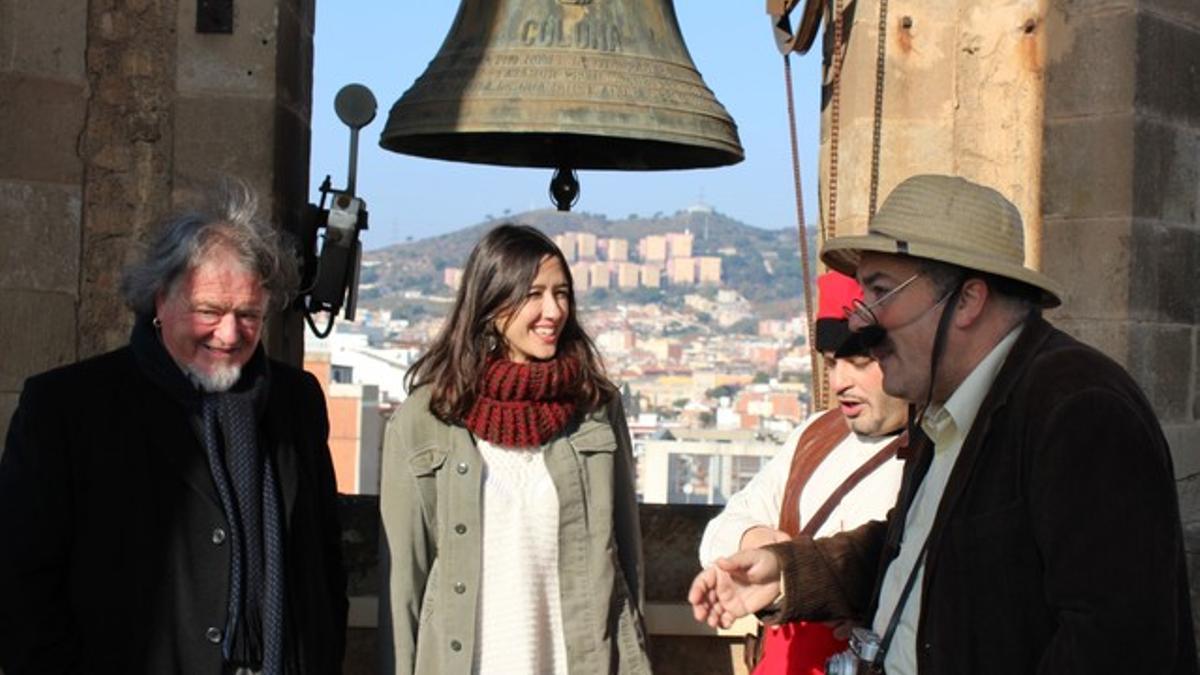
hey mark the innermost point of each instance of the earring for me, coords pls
(157, 322)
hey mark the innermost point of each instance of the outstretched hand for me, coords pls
(734, 587)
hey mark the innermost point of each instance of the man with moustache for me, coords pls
(837, 471)
(170, 507)
(1037, 528)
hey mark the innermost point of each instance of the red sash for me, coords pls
(799, 648)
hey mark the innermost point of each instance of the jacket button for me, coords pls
(462, 467)
(213, 635)
(218, 536)
(456, 645)
(460, 588)
(460, 528)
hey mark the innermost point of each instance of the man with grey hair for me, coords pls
(170, 507)
(1037, 527)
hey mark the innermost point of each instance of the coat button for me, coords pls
(456, 645)
(460, 588)
(213, 635)
(218, 536)
(462, 467)
(460, 528)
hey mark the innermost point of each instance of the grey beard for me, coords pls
(220, 380)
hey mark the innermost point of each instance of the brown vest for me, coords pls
(815, 444)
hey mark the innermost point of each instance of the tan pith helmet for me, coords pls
(951, 220)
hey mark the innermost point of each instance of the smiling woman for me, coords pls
(514, 433)
(531, 330)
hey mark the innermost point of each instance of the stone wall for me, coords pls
(1085, 114)
(43, 112)
(114, 112)
(1122, 205)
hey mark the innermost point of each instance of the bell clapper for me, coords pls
(564, 188)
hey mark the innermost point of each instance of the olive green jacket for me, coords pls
(431, 541)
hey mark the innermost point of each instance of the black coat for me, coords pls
(1057, 545)
(113, 549)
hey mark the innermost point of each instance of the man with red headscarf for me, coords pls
(837, 471)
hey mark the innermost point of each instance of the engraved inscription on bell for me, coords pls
(551, 32)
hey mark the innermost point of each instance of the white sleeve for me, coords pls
(754, 505)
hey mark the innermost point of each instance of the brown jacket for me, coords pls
(1057, 547)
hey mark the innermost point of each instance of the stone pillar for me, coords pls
(1121, 185)
(42, 113)
(1087, 116)
(113, 111)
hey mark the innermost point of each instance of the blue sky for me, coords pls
(386, 45)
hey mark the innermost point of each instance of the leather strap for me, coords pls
(814, 445)
(868, 467)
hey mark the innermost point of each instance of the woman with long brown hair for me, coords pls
(510, 535)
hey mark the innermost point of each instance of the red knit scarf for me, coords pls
(524, 405)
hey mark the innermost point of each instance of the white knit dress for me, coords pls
(520, 627)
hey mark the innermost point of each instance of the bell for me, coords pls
(564, 84)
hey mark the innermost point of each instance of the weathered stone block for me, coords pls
(294, 65)
(1186, 12)
(45, 150)
(1086, 167)
(1168, 83)
(1089, 63)
(292, 153)
(1185, 455)
(672, 557)
(41, 221)
(1110, 337)
(217, 135)
(45, 39)
(680, 655)
(1081, 9)
(1160, 360)
(306, 10)
(104, 320)
(1166, 172)
(242, 63)
(920, 63)
(359, 516)
(362, 652)
(38, 333)
(1091, 259)
(1165, 279)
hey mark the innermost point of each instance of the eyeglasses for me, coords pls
(865, 312)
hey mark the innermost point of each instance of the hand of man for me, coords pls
(734, 587)
(757, 537)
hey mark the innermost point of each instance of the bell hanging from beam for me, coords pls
(566, 85)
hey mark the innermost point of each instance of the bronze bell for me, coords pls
(569, 84)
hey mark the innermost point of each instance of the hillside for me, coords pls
(763, 265)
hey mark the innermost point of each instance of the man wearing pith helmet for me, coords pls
(1037, 528)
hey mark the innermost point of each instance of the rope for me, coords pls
(877, 130)
(829, 227)
(818, 382)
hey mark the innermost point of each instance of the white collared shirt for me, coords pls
(758, 504)
(947, 426)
